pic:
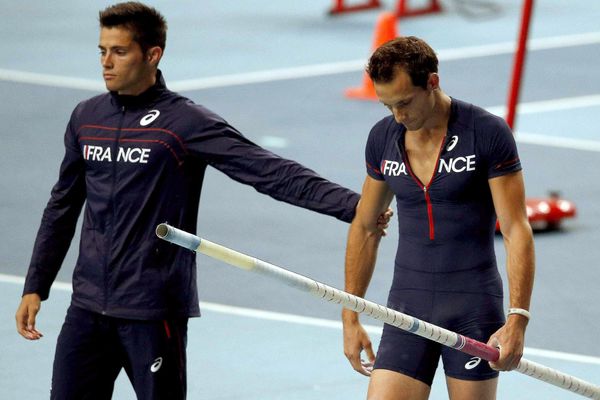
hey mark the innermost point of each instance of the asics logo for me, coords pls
(150, 117)
(156, 365)
(453, 143)
(473, 363)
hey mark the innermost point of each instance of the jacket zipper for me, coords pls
(112, 205)
(426, 187)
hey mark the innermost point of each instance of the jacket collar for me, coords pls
(144, 99)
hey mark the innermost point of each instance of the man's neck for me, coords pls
(142, 87)
(437, 125)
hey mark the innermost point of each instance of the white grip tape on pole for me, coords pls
(374, 310)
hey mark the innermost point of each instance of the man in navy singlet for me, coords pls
(453, 168)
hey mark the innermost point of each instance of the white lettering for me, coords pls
(121, 154)
(455, 166)
(445, 165)
(471, 162)
(145, 155)
(106, 156)
(133, 155)
(387, 166)
(130, 155)
(393, 168)
(458, 164)
(403, 168)
(96, 152)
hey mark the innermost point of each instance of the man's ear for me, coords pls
(433, 82)
(153, 55)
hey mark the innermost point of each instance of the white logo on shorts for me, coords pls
(151, 116)
(473, 363)
(156, 365)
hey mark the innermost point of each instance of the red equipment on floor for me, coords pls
(547, 213)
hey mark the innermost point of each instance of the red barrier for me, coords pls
(402, 9)
(519, 61)
(340, 7)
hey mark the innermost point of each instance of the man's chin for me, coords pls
(111, 87)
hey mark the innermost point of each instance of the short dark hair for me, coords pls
(412, 54)
(148, 26)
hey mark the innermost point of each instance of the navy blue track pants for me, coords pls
(92, 349)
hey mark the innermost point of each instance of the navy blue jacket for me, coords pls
(136, 162)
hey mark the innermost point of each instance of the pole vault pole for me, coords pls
(376, 311)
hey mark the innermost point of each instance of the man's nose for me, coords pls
(399, 115)
(106, 61)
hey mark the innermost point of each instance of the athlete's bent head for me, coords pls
(410, 54)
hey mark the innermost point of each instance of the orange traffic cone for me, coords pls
(385, 30)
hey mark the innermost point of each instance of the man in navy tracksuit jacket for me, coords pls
(136, 157)
(139, 161)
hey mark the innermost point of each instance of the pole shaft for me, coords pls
(374, 310)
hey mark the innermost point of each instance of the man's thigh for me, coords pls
(407, 354)
(467, 390)
(392, 385)
(155, 357)
(87, 359)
